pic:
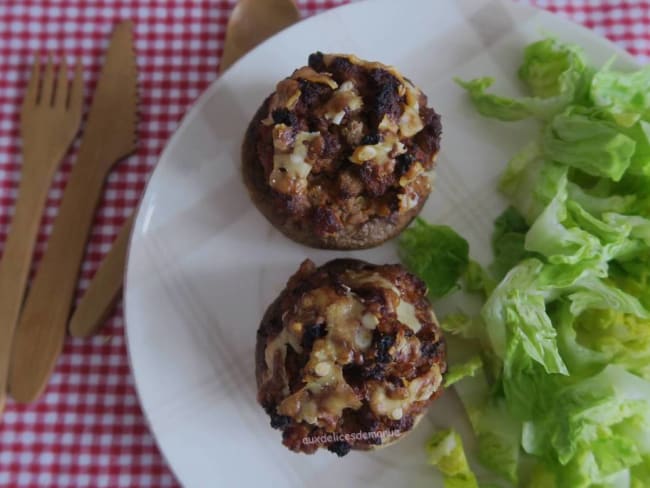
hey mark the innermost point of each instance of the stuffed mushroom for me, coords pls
(341, 155)
(349, 356)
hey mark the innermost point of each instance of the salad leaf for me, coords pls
(515, 313)
(555, 372)
(598, 337)
(474, 394)
(639, 227)
(498, 107)
(508, 241)
(461, 324)
(633, 276)
(597, 293)
(551, 68)
(530, 181)
(553, 72)
(640, 133)
(624, 96)
(585, 413)
(541, 476)
(436, 253)
(560, 244)
(640, 474)
(477, 278)
(459, 371)
(498, 440)
(446, 452)
(597, 205)
(594, 146)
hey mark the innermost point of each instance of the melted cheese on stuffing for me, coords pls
(326, 394)
(292, 165)
(383, 402)
(387, 124)
(345, 99)
(322, 400)
(407, 201)
(309, 74)
(411, 175)
(381, 153)
(410, 122)
(405, 311)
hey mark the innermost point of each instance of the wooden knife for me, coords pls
(109, 135)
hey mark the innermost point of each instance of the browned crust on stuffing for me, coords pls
(308, 278)
(370, 234)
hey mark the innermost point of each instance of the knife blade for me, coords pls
(109, 136)
(104, 290)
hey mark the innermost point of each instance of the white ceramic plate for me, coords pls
(204, 263)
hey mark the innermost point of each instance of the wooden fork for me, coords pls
(49, 120)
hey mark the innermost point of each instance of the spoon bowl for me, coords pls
(253, 21)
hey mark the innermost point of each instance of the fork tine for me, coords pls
(61, 89)
(48, 83)
(76, 93)
(31, 95)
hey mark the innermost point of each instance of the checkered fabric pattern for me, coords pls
(88, 429)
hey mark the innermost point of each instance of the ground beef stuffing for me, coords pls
(348, 357)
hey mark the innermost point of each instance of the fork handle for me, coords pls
(16, 258)
(40, 333)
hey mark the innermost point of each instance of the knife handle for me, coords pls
(39, 337)
(104, 289)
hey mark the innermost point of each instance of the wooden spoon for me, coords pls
(251, 22)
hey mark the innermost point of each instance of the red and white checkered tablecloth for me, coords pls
(88, 429)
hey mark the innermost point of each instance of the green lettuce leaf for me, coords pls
(637, 226)
(597, 205)
(640, 133)
(436, 253)
(508, 240)
(458, 372)
(541, 476)
(581, 141)
(498, 440)
(516, 312)
(633, 277)
(555, 373)
(477, 279)
(598, 337)
(495, 106)
(554, 73)
(640, 474)
(474, 394)
(624, 96)
(446, 453)
(461, 324)
(530, 182)
(600, 294)
(552, 68)
(587, 414)
(551, 237)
